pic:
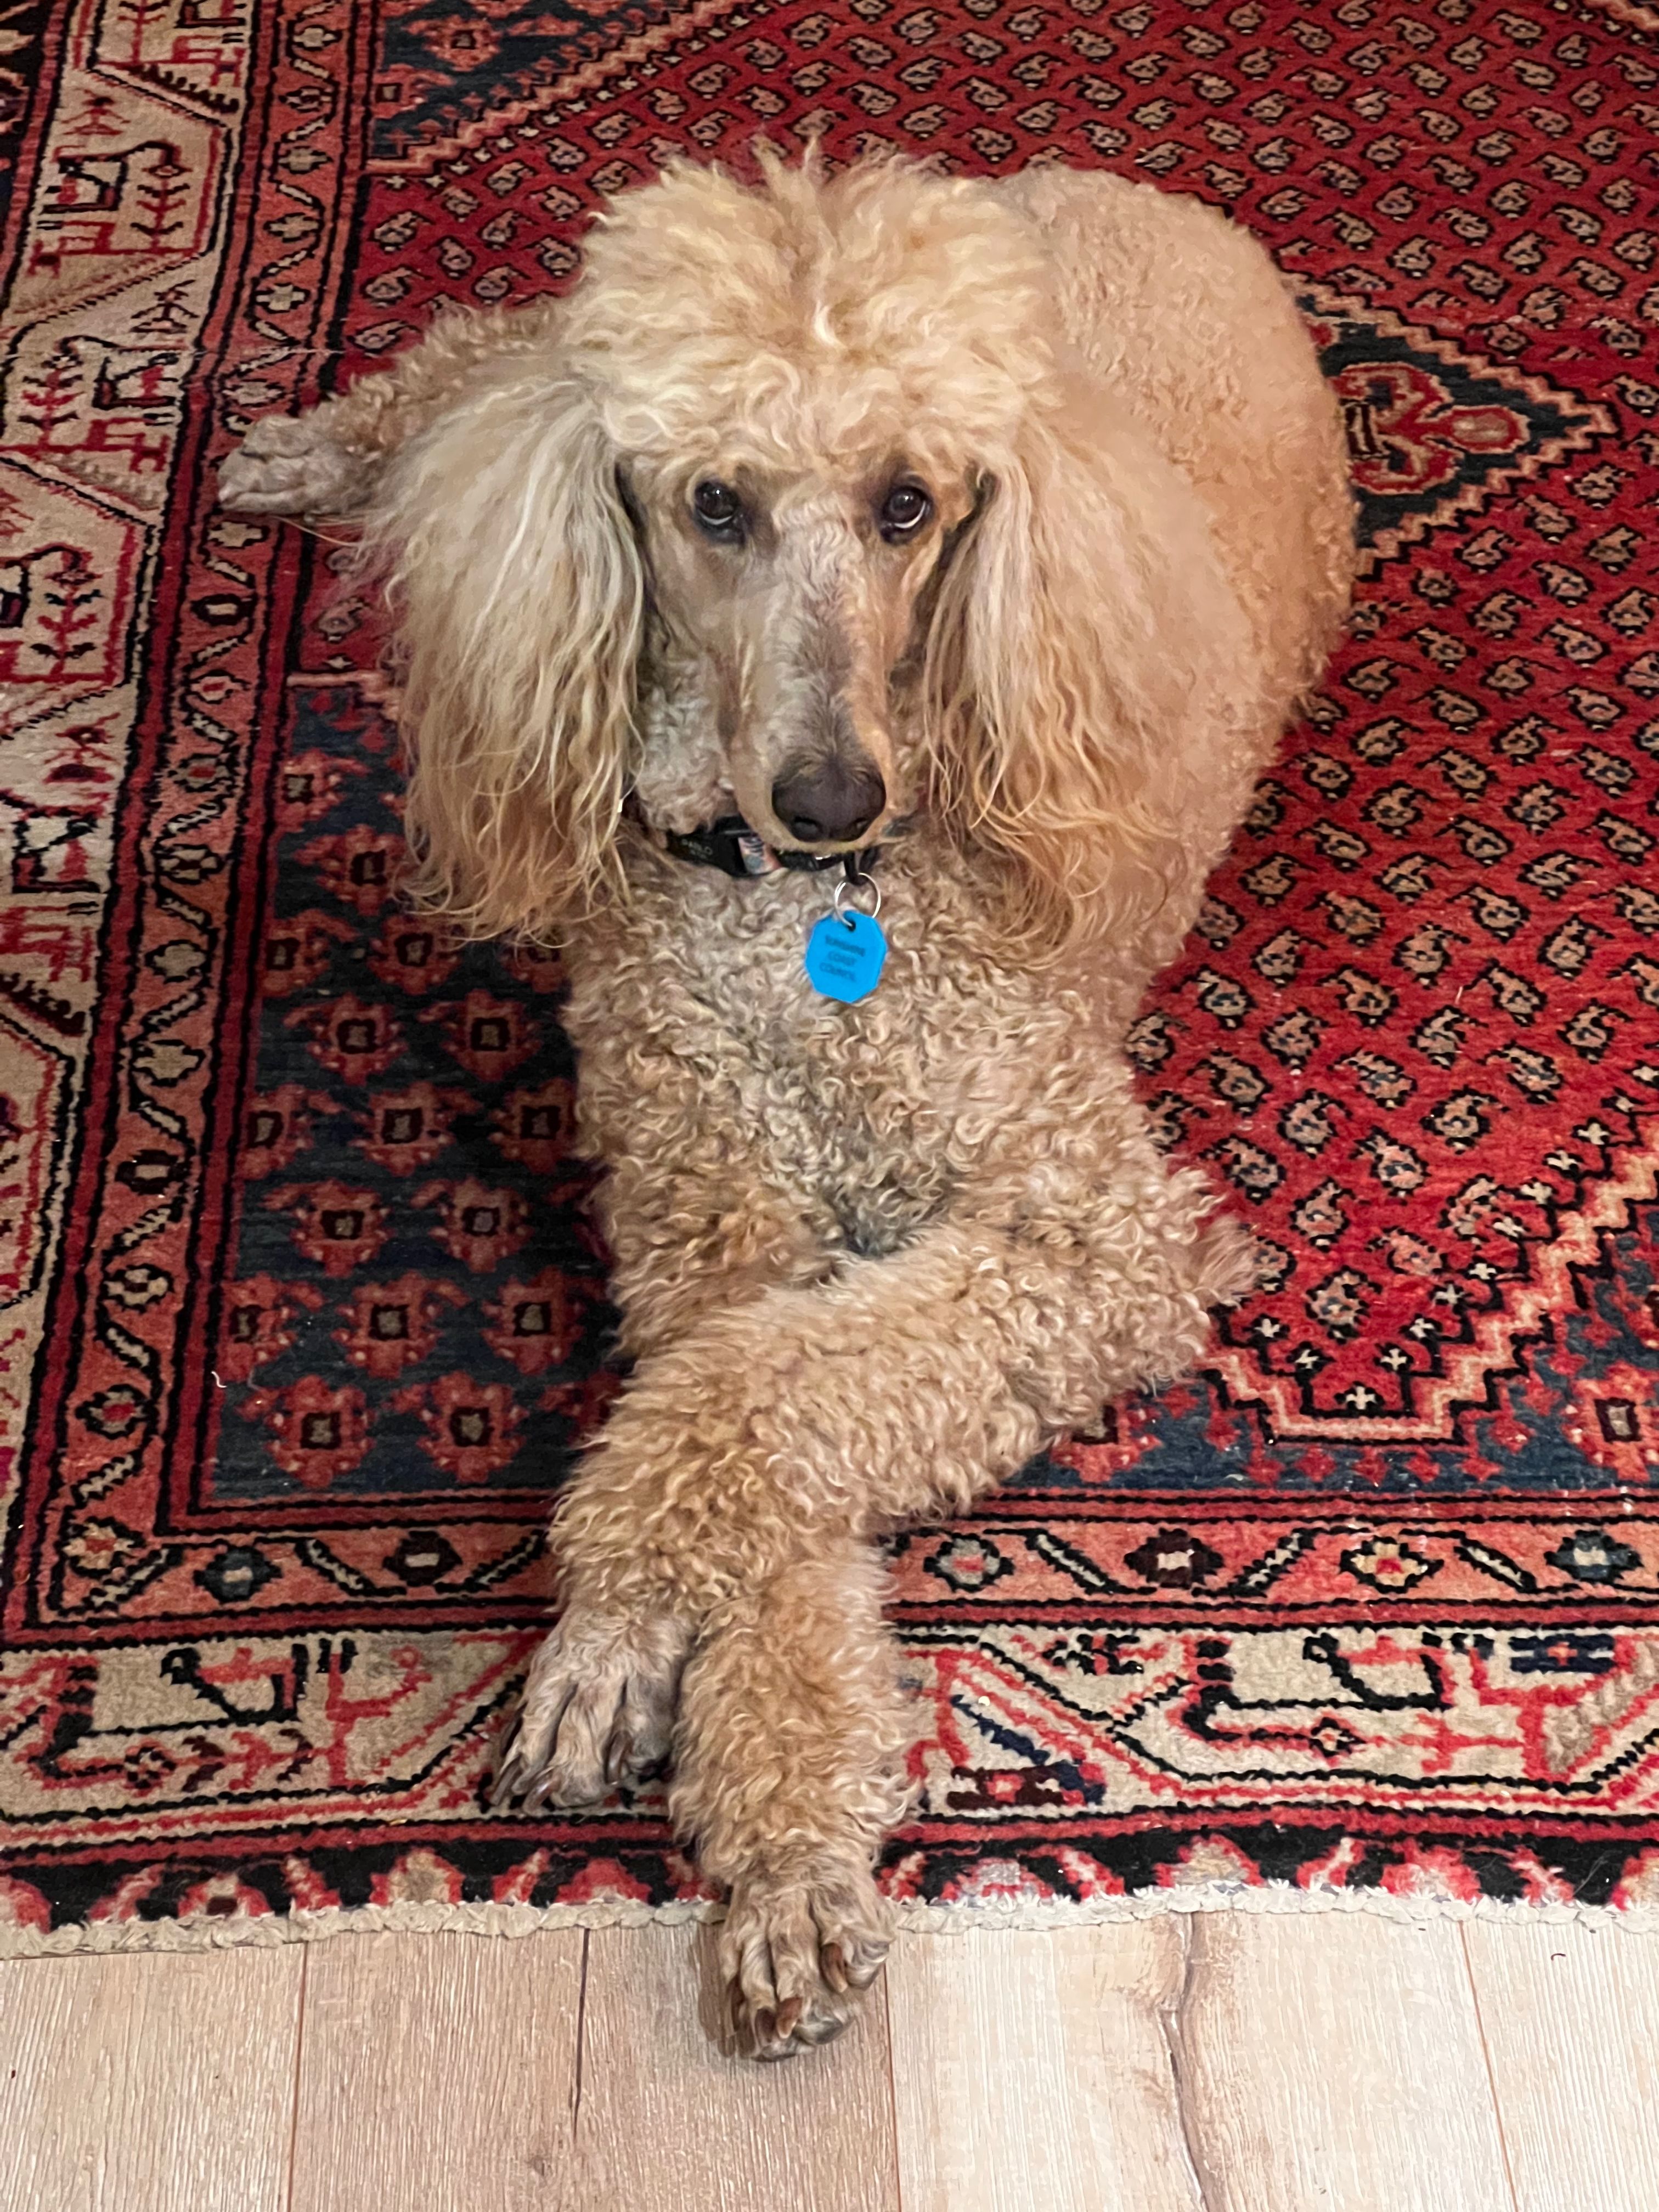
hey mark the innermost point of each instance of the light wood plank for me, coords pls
(1571, 2017)
(438, 2073)
(667, 2124)
(148, 2081)
(1332, 2063)
(1032, 2073)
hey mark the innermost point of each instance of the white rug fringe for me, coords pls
(211, 1932)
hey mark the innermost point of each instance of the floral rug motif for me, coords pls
(301, 1312)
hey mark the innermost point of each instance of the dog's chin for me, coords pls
(843, 849)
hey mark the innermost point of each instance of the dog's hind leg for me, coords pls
(299, 464)
(327, 461)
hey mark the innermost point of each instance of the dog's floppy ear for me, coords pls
(1064, 650)
(519, 586)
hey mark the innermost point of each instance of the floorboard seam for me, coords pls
(1172, 2019)
(581, 2038)
(1492, 2078)
(299, 2060)
(892, 2095)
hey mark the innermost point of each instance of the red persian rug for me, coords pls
(302, 1314)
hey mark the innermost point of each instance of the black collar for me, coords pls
(734, 847)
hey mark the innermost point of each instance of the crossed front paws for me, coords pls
(799, 1944)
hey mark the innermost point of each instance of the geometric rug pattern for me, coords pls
(301, 1312)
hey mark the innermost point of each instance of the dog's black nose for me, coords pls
(829, 803)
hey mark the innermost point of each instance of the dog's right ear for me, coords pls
(515, 574)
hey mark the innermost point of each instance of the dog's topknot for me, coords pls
(809, 305)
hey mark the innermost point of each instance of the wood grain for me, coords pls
(1237, 2063)
(667, 2124)
(1031, 2070)
(1332, 2063)
(438, 2073)
(1571, 2018)
(148, 2081)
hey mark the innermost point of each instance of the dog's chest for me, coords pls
(867, 1114)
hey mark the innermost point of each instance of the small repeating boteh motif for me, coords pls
(302, 1312)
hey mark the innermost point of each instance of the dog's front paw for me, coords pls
(290, 464)
(795, 1953)
(598, 1710)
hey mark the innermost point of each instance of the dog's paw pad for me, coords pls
(597, 1710)
(795, 1955)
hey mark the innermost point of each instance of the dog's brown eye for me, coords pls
(904, 510)
(718, 509)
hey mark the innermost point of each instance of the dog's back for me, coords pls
(1183, 316)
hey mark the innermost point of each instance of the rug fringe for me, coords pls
(213, 1932)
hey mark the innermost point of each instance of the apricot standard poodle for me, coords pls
(879, 536)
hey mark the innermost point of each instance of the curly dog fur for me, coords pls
(872, 1257)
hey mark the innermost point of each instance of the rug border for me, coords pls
(204, 1932)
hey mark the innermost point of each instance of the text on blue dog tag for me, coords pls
(845, 955)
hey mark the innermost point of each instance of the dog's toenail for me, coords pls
(789, 2013)
(618, 1749)
(833, 1960)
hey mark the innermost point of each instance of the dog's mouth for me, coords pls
(729, 844)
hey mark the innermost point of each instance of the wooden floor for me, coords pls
(1209, 2063)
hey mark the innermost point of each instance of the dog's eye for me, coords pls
(718, 509)
(903, 511)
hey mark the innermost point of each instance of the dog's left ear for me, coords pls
(1080, 622)
(512, 564)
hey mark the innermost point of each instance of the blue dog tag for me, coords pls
(845, 955)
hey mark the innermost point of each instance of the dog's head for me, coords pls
(796, 518)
